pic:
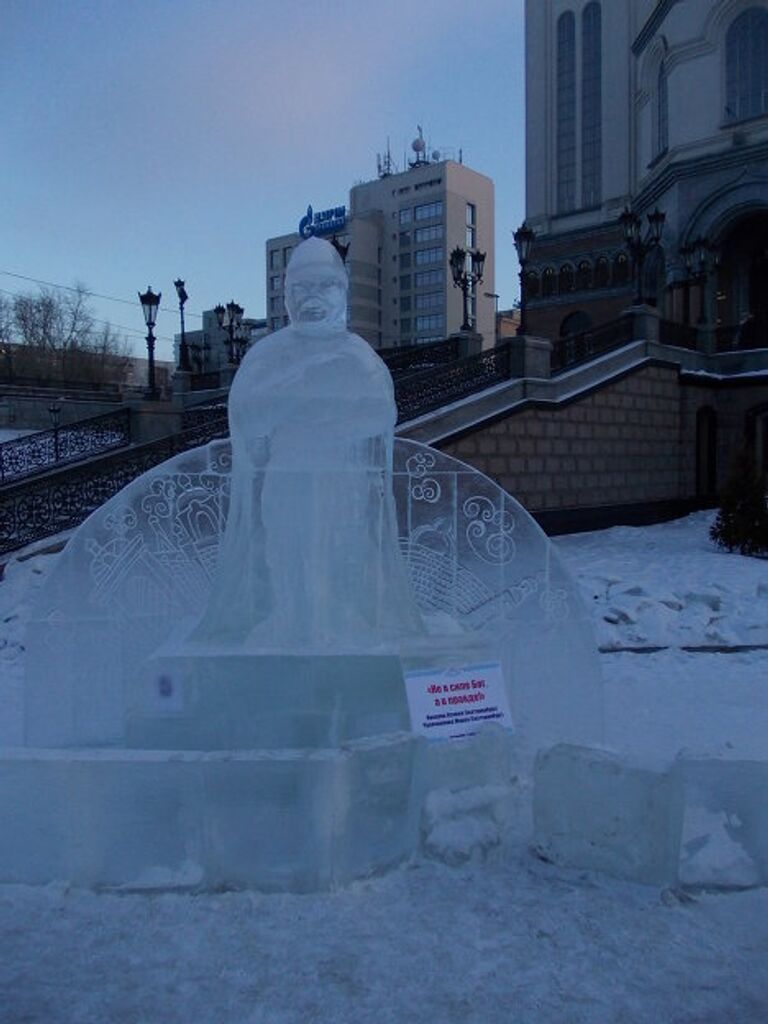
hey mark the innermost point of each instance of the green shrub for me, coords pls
(742, 521)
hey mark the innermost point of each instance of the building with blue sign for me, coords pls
(401, 229)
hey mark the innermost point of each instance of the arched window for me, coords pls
(620, 269)
(662, 112)
(746, 65)
(602, 272)
(591, 105)
(583, 276)
(566, 279)
(548, 282)
(532, 285)
(575, 323)
(566, 112)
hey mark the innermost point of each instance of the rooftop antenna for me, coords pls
(461, 155)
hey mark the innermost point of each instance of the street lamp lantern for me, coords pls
(184, 364)
(230, 318)
(639, 247)
(524, 238)
(466, 274)
(149, 305)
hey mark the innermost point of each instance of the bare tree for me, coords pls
(54, 336)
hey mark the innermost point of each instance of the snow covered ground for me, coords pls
(507, 940)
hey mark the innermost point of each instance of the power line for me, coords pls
(96, 295)
(106, 323)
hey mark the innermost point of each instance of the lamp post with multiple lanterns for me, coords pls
(149, 304)
(230, 318)
(524, 239)
(639, 247)
(467, 272)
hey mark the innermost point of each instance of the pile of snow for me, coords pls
(497, 937)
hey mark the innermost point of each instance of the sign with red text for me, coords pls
(456, 702)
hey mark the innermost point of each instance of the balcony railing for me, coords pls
(679, 335)
(413, 358)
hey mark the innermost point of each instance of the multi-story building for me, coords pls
(647, 103)
(401, 229)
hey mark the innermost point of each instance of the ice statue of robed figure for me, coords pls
(310, 558)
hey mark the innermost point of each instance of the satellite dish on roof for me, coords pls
(418, 145)
(435, 154)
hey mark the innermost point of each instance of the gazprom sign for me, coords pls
(325, 222)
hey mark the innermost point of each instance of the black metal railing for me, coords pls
(580, 348)
(39, 452)
(198, 415)
(679, 335)
(420, 393)
(750, 333)
(413, 358)
(31, 510)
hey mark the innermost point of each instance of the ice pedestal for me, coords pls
(231, 701)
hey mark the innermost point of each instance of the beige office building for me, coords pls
(401, 229)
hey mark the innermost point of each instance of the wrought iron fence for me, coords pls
(412, 358)
(39, 452)
(752, 332)
(580, 348)
(680, 335)
(211, 412)
(420, 393)
(33, 509)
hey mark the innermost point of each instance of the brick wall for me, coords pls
(618, 445)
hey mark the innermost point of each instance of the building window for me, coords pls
(433, 322)
(405, 238)
(566, 279)
(662, 113)
(602, 272)
(746, 65)
(405, 282)
(428, 210)
(575, 323)
(428, 256)
(406, 215)
(532, 284)
(591, 105)
(548, 282)
(583, 275)
(275, 323)
(405, 260)
(274, 259)
(566, 112)
(430, 234)
(405, 303)
(287, 254)
(429, 277)
(620, 269)
(430, 300)
(405, 326)
(274, 283)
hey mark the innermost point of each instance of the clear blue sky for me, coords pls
(143, 141)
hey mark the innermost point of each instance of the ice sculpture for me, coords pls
(310, 558)
(215, 686)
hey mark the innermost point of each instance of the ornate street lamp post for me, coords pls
(639, 247)
(149, 303)
(466, 274)
(524, 239)
(230, 319)
(700, 258)
(184, 363)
